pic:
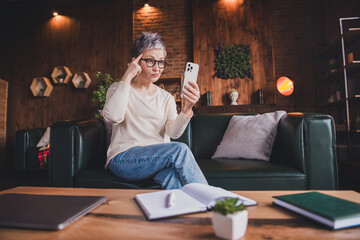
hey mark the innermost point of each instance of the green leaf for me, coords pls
(228, 206)
(99, 95)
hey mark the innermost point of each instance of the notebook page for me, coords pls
(209, 194)
(154, 204)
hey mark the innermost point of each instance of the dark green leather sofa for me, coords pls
(303, 155)
(26, 154)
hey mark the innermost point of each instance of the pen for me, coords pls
(170, 200)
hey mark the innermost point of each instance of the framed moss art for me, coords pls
(232, 61)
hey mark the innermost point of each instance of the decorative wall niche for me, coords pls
(41, 86)
(61, 74)
(81, 80)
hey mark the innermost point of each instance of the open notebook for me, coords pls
(191, 198)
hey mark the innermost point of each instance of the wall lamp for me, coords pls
(285, 86)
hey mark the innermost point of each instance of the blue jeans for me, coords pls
(170, 164)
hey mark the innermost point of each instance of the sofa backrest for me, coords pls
(75, 145)
(307, 142)
(207, 133)
(185, 137)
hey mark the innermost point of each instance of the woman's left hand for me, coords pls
(191, 95)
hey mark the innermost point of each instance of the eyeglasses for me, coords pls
(151, 62)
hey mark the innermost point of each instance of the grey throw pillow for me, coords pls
(45, 139)
(249, 137)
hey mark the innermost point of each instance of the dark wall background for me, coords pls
(234, 22)
(96, 35)
(89, 36)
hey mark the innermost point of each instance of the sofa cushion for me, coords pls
(101, 178)
(253, 174)
(32, 159)
(249, 137)
(45, 139)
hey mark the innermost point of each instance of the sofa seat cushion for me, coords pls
(248, 174)
(101, 178)
(32, 161)
(249, 168)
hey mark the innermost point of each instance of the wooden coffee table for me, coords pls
(121, 218)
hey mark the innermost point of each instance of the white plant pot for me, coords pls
(231, 226)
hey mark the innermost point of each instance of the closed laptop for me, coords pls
(44, 211)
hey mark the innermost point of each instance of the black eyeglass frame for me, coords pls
(155, 61)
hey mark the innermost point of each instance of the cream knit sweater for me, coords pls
(139, 120)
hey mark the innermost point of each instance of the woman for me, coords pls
(144, 118)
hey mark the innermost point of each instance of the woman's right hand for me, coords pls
(133, 70)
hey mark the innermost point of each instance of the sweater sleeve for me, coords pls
(117, 98)
(175, 124)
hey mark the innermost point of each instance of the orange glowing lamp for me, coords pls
(285, 86)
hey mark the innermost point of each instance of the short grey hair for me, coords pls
(147, 41)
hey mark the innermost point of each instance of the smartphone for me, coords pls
(190, 74)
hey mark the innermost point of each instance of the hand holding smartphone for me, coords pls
(190, 74)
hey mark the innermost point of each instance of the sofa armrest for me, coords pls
(307, 142)
(75, 145)
(24, 139)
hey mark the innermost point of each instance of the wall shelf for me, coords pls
(61, 75)
(344, 80)
(173, 85)
(227, 109)
(41, 87)
(81, 80)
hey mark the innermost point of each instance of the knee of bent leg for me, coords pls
(180, 146)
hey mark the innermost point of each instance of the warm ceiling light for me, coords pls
(55, 14)
(285, 86)
(146, 5)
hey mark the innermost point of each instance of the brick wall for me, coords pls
(297, 26)
(173, 21)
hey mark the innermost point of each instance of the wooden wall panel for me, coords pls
(229, 22)
(3, 119)
(89, 36)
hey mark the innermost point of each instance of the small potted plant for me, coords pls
(61, 77)
(99, 94)
(41, 92)
(229, 219)
(82, 83)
